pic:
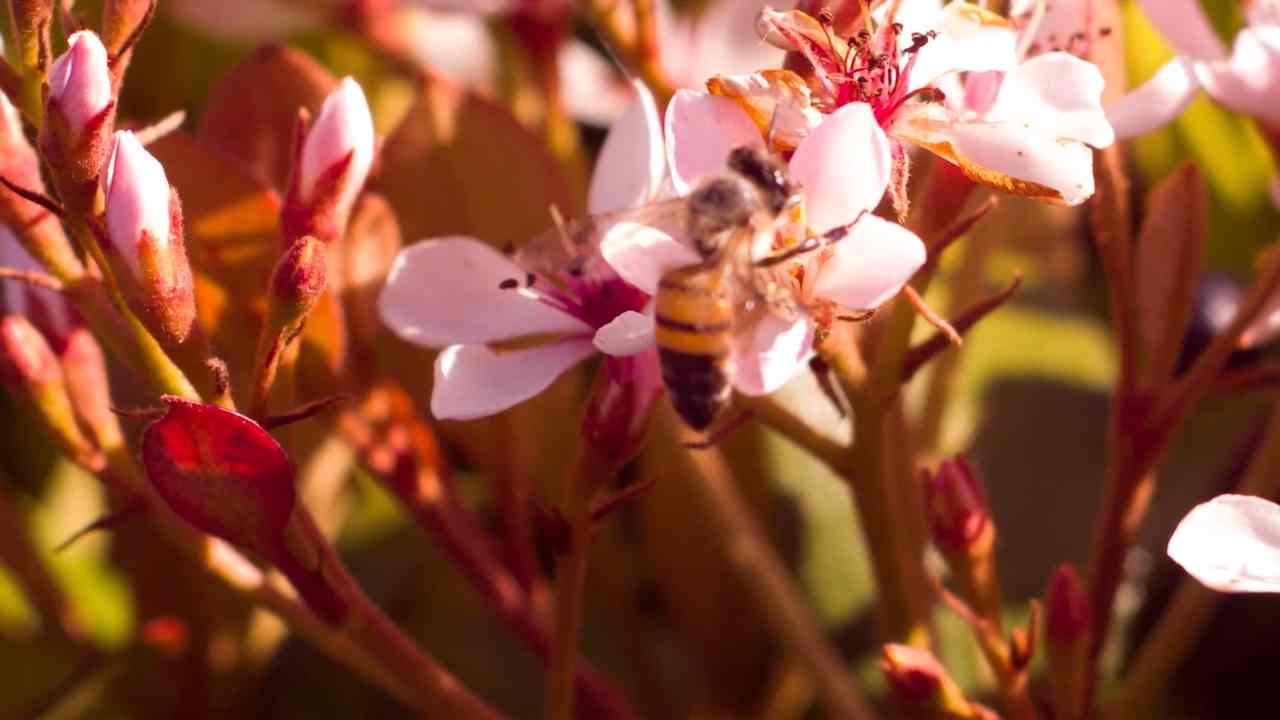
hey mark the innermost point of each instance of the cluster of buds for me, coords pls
(330, 167)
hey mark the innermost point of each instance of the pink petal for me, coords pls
(1248, 83)
(1186, 27)
(343, 127)
(136, 193)
(870, 265)
(1156, 102)
(633, 162)
(629, 333)
(1025, 153)
(473, 381)
(80, 81)
(1231, 544)
(843, 167)
(590, 86)
(701, 129)
(445, 291)
(641, 254)
(770, 353)
(966, 41)
(1058, 93)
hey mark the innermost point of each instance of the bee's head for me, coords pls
(718, 206)
(767, 172)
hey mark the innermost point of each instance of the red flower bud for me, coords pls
(299, 280)
(956, 507)
(914, 675)
(144, 242)
(1068, 608)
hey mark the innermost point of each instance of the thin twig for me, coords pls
(33, 278)
(921, 354)
(34, 196)
(770, 413)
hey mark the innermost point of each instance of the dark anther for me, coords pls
(897, 28)
(509, 284)
(1104, 32)
(528, 279)
(825, 16)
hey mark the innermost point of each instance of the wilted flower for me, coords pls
(144, 240)
(1245, 80)
(332, 166)
(1231, 544)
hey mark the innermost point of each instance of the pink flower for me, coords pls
(1245, 80)
(79, 80)
(865, 268)
(1023, 127)
(339, 141)
(460, 294)
(1231, 544)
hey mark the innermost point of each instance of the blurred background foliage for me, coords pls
(666, 615)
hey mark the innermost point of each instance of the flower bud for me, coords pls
(33, 374)
(1068, 615)
(1067, 642)
(331, 166)
(37, 229)
(79, 111)
(143, 240)
(80, 82)
(956, 507)
(299, 280)
(922, 686)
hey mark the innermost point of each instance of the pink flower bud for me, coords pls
(27, 363)
(143, 239)
(80, 82)
(332, 166)
(137, 198)
(914, 675)
(956, 507)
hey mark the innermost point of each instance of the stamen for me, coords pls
(509, 284)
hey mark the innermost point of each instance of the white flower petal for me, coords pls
(843, 166)
(701, 129)
(458, 45)
(1249, 82)
(633, 162)
(472, 381)
(1231, 544)
(770, 353)
(629, 333)
(969, 39)
(1060, 94)
(1156, 102)
(1186, 27)
(445, 291)
(870, 265)
(641, 254)
(1024, 154)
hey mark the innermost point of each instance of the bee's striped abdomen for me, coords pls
(694, 328)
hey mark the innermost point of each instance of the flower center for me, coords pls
(587, 291)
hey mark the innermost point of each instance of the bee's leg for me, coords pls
(716, 435)
(811, 243)
(822, 373)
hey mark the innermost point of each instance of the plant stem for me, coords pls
(586, 476)
(774, 416)
(783, 604)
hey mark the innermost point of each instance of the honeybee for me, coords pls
(731, 221)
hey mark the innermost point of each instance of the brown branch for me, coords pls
(918, 356)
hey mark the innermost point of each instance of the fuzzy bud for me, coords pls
(332, 165)
(80, 82)
(31, 371)
(79, 111)
(298, 280)
(143, 240)
(956, 506)
(1068, 608)
(37, 229)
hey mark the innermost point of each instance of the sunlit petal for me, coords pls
(640, 254)
(472, 381)
(1231, 544)
(629, 333)
(1249, 82)
(770, 353)
(1156, 102)
(1184, 24)
(1059, 94)
(843, 166)
(632, 162)
(701, 129)
(446, 291)
(870, 265)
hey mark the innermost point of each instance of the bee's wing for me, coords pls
(573, 244)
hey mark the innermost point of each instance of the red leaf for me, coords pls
(222, 473)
